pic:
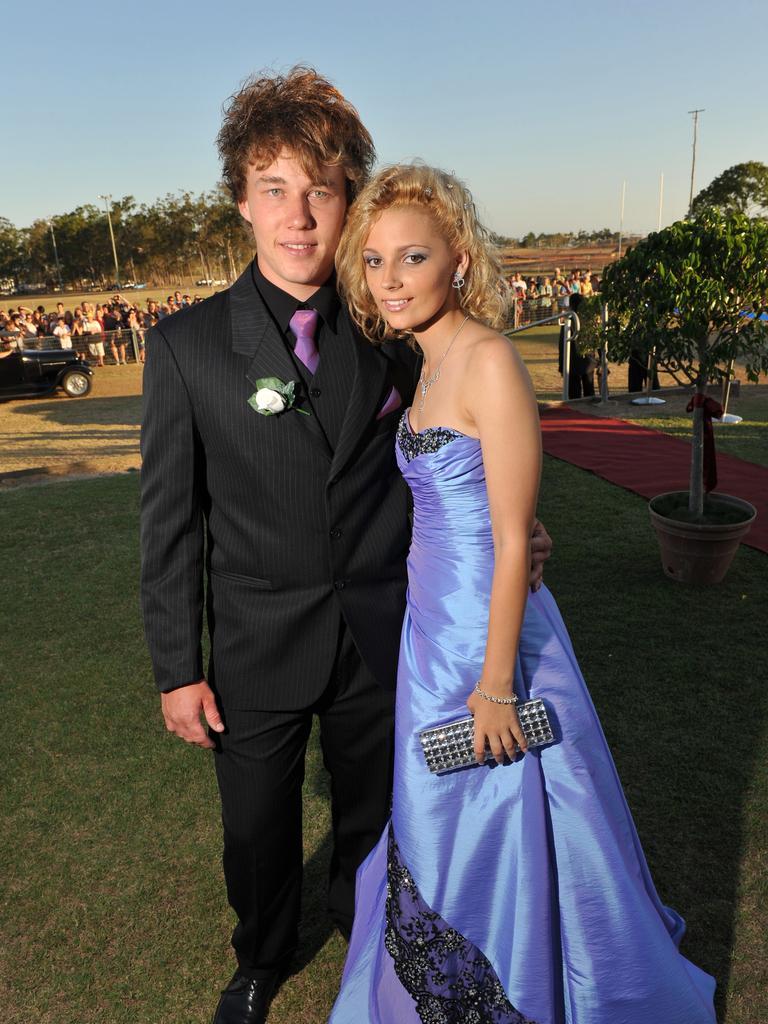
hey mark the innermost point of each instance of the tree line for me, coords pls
(741, 189)
(557, 239)
(181, 235)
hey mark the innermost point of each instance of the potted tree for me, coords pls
(696, 290)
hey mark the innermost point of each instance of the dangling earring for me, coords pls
(458, 280)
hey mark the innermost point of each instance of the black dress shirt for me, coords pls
(282, 306)
(326, 393)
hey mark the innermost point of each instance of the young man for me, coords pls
(297, 522)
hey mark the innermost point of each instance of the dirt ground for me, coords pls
(55, 437)
(58, 436)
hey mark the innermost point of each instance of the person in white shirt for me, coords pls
(96, 348)
(63, 333)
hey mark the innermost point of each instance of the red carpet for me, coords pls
(648, 462)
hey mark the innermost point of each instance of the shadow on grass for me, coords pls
(105, 444)
(119, 409)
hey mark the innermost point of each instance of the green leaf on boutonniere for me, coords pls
(273, 396)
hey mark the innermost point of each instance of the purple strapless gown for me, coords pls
(513, 894)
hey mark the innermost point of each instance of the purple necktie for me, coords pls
(303, 323)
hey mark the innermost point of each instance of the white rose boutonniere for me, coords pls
(273, 396)
(268, 401)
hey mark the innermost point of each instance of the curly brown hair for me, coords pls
(448, 201)
(301, 112)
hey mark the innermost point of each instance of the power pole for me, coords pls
(695, 114)
(107, 199)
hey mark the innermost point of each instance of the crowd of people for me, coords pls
(535, 298)
(91, 328)
(106, 330)
(111, 324)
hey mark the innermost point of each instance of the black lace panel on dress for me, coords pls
(448, 977)
(431, 439)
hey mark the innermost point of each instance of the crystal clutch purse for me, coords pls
(452, 745)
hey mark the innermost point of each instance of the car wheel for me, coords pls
(76, 384)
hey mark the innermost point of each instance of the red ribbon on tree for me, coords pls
(710, 408)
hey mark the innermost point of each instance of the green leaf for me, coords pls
(273, 383)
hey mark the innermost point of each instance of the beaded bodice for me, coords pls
(425, 441)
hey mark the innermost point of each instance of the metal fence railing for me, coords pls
(569, 325)
(123, 346)
(525, 312)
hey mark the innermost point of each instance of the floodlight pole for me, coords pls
(695, 114)
(107, 200)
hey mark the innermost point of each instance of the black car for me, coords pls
(39, 372)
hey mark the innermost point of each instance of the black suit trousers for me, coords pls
(260, 770)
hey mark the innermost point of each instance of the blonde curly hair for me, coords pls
(448, 201)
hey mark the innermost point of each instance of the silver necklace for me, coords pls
(425, 383)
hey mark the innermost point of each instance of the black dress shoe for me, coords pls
(245, 1000)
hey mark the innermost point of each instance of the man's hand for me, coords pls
(541, 549)
(182, 709)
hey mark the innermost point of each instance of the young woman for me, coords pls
(515, 891)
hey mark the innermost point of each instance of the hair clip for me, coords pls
(428, 191)
(467, 206)
(449, 185)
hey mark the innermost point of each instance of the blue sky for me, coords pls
(542, 109)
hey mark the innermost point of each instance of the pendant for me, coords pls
(425, 385)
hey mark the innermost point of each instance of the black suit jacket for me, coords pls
(289, 533)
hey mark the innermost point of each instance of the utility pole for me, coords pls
(107, 200)
(56, 254)
(661, 199)
(695, 114)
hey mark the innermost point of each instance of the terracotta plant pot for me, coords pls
(694, 552)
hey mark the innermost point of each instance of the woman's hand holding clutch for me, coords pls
(496, 726)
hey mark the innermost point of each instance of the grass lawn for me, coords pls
(748, 439)
(134, 296)
(113, 908)
(538, 347)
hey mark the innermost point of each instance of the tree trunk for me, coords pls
(696, 491)
(206, 267)
(232, 271)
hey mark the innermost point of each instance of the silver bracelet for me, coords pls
(492, 699)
